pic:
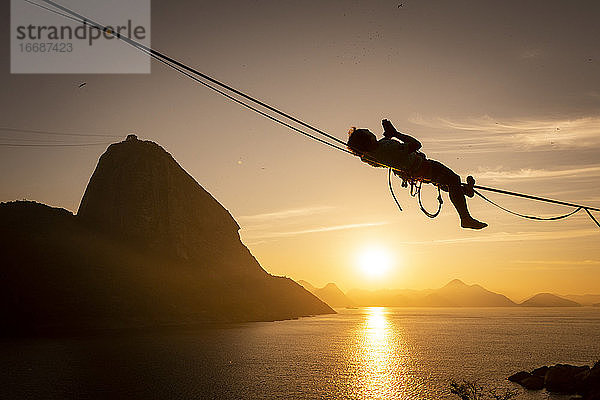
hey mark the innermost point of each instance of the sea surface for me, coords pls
(365, 353)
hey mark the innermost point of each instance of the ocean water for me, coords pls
(366, 353)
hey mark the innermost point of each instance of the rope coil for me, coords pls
(415, 190)
(439, 199)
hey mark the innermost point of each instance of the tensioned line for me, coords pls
(193, 74)
(188, 68)
(55, 133)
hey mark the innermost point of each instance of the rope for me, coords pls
(528, 196)
(592, 217)
(578, 207)
(53, 144)
(439, 199)
(242, 103)
(533, 216)
(53, 10)
(392, 188)
(56, 139)
(190, 72)
(415, 190)
(193, 71)
(54, 133)
(182, 69)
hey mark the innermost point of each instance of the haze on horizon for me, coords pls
(509, 93)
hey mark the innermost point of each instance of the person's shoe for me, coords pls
(472, 223)
(468, 188)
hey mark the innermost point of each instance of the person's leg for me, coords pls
(442, 175)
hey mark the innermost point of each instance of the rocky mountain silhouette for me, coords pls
(148, 247)
(458, 294)
(330, 294)
(548, 300)
(139, 193)
(454, 294)
(307, 285)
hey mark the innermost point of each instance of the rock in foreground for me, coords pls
(562, 378)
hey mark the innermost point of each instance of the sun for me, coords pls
(374, 261)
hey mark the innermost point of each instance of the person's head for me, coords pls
(361, 141)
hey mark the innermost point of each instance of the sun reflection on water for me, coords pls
(382, 363)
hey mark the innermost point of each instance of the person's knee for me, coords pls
(453, 179)
(444, 175)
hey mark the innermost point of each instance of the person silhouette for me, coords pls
(404, 157)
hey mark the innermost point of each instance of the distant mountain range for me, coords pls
(583, 299)
(330, 294)
(454, 294)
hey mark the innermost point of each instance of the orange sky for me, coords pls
(507, 92)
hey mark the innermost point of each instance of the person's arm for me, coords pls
(389, 132)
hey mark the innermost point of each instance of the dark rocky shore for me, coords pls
(562, 378)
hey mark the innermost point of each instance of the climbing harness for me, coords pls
(230, 93)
